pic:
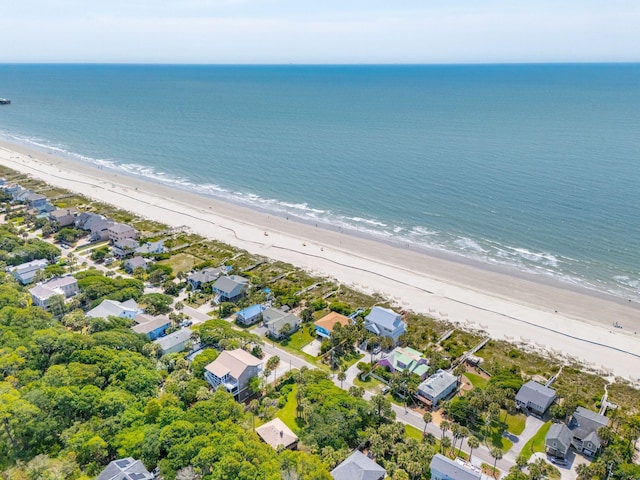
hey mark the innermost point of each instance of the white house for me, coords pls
(25, 272)
(113, 308)
(437, 387)
(385, 323)
(443, 468)
(41, 293)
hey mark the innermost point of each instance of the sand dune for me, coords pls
(535, 312)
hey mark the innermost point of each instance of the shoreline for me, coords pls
(542, 312)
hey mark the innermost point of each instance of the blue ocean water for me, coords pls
(532, 166)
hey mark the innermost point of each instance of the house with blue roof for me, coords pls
(250, 315)
(385, 323)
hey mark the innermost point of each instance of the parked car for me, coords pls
(385, 390)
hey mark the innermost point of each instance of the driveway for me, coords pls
(531, 427)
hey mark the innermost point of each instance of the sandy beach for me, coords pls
(534, 312)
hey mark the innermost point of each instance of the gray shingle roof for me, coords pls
(452, 469)
(384, 317)
(560, 433)
(230, 286)
(125, 469)
(437, 383)
(358, 467)
(537, 394)
(174, 339)
(585, 422)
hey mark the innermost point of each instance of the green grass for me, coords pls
(369, 384)
(299, 339)
(536, 443)
(288, 413)
(413, 432)
(516, 423)
(476, 380)
(181, 262)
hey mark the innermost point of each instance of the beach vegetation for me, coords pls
(69, 235)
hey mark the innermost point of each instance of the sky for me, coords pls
(319, 31)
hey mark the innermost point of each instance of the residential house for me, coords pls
(113, 308)
(385, 323)
(276, 319)
(174, 342)
(250, 315)
(25, 272)
(207, 275)
(131, 264)
(229, 288)
(535, 398)
(582, 431)
(126, 469)
(232, 371)
(63, 217)
(37, 201)
(152, 247)
(406, 359)
(443, 468)
(120, 231)
(98, 225)
(326, 324)
(437, 387)
(358, 467)
(558, 440)
(152, 327)
(125, 247)
(41, 293)
(277, 435)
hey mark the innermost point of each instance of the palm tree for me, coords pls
(444, 426)
(445, 444)
(342, 377)
(473, 443)
(455, 431)
(464, 433)
(583, 472)
(496, 453)
(427, 417)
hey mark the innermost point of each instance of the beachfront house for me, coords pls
(250, 315)
(229, 288)
(25, 272)
(42, 293)
(280, 323)
(326, 324)
(535, 398)
(358, 466)
(277, 435)
(152, 327)
(200, 278)
(152, 248)
(125, 469)
(98, 225)
(113, 308)
(125, 248)
(232, 371)
(174, 342)
(437, 387)
(405, 359)
(37, 201)
(131, 264)
(63, 217)
(385, 323)
(443, 468)
(120, 231)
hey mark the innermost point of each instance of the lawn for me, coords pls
(370, 383)
(299, 339)
(288, 412)
(413, 432)
(181, 262)
(536, 443)
(516, 423)
(476, 380)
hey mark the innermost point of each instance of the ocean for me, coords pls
(535, 167)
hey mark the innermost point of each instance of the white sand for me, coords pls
(560, 321)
